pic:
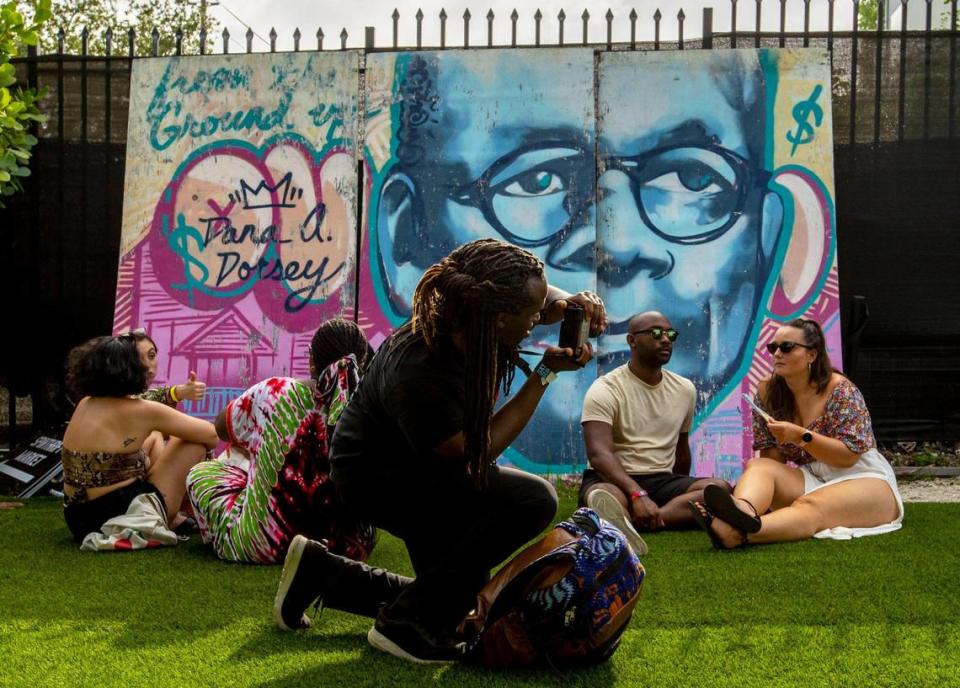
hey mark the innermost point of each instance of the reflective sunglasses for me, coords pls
(785, 347)
(657, 332)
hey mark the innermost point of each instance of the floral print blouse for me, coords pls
(845, 418)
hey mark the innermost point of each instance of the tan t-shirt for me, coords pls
(646, 419)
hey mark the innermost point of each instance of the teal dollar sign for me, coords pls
(179, 240)
(801, 115)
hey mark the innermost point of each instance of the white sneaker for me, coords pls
(610, 510)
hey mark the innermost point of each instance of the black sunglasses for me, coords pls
(657, 332)
(785, 347)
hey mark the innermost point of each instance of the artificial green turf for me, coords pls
(882, 611)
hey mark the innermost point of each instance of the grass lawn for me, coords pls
(879, 611)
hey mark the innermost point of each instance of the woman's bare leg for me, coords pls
(765, 484)
(768, 484)
(858, 503)
(169, 471)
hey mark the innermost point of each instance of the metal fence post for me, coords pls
(708, 28)
(733, 23)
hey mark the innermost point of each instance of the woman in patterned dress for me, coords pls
(839, 485)
(275, 482)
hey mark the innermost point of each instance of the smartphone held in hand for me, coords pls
(574, 329)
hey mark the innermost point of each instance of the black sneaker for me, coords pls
(300, 584)
(411, 640)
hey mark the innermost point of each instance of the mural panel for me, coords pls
(470, 144)
(695, 183)
(715, 187)
(239, 218)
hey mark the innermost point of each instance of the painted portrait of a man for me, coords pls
(650, 178)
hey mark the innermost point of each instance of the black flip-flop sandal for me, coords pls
(703, 518)
(720, 504)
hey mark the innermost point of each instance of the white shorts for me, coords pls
(871, 464)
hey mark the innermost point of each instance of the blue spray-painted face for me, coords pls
(660, 203)
(685, 223)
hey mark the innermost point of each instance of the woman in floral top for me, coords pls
(839, 485)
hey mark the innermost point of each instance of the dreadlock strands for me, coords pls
(464, 292)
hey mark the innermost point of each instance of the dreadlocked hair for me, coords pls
(337, 338)
(464, 292)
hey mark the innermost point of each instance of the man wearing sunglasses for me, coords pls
(636, 420)
(659, 196)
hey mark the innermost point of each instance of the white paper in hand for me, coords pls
(763, 414)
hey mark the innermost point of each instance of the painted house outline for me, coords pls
(227, 350)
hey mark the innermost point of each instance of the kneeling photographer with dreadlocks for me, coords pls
(415, 452)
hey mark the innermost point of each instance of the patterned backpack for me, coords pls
(564, 601)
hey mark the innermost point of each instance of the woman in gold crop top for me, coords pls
(104, 452)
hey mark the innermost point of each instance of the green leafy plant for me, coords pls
(73, 17)
(867, 16)
(18, 106)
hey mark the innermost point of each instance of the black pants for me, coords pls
(454, 533)
(87, 517)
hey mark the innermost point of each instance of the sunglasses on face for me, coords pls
(657, 332)
(785, 347)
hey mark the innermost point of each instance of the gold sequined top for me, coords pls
(82, 470)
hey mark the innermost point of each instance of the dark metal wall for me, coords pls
(897, 159)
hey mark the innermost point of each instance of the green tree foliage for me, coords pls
(867, 16)
(72, 16)
(18, 106)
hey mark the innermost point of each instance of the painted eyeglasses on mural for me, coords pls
(685, 194)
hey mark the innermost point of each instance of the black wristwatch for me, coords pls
(806, 438)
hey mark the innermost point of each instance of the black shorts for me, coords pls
(661, 487)
(87, 517)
